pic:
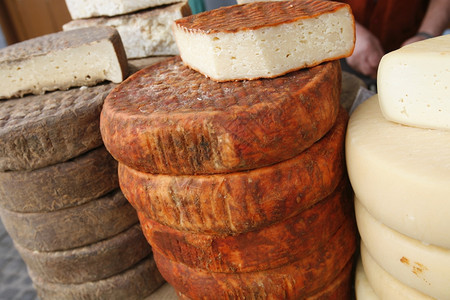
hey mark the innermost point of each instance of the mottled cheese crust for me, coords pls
(265, 39)
(62, 60)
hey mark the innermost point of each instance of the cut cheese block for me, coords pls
(384, 285)
(419, 266)
(38, 131)
(59, 186)
(363, 289)
(72, 227)
(169, 119)
(135, 283)
(144, 33)
(265, 39)
(296, 280)
(61, 60)
(267, 248)
(414, 84)
(89, 263)
(240, 201)
(80, 9)
(400, 173)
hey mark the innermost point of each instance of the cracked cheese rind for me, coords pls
(400, 173)
(265, 39)
(414, 84)
(145, 33)
(61, 60)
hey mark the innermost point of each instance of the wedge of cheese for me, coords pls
(419, 266)
(80, 9)
(400, 173)
(265, 39)
(414, 84)
(62, 60)
(143, 33)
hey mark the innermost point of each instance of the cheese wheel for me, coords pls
(296, 280)
(400, 173)
(422, 267)
(169, 119)
(240, 201)
(413, 84)
(363, 289)
(267, 248)
(384, 285)
(89, 263)
(265, 39)
(72, 227)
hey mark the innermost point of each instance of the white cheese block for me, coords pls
(400, 173)
(382, 283)
(80, 9)
(363, 289)
(61, 60)
(419, 266)
(145, 33)
(265, 39)
(414, 84)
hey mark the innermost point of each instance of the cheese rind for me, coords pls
(400, 173)
(414, 84)
(61, 60)
(265, 39)
(422, 267)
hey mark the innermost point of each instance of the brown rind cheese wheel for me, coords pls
(296, 280)
(135, 283)
(89, 263)
(59, 186)
(72, 227)
(240, 201)
(267, 248)
(38, 131)
(169, 119)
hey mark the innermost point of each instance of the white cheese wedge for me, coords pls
(82, 57)
(419, 266)
(382, 283)
(400, 173)
(414, 84)
(80, 9)
(363, 289)
(265, 39)
(145, 33)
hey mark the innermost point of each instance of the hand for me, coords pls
(367, 54)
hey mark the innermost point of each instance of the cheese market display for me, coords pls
(399, 167)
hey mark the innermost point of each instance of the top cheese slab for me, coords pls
(80, 9)
(265, 39)
(414, 84)
(61, 60)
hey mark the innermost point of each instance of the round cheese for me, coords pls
(363, 289)
(384, 285)
(422, 267)
(400, 173)
(169, 119)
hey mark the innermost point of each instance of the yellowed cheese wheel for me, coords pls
(400, 173)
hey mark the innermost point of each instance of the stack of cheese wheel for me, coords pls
(399, 165)
(240, 185)
(59, 193)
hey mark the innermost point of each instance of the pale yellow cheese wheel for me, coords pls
(363, 289)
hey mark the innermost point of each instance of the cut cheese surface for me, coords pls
(400, 173)
(384, 285)
(265, 39)
(363, 289)
(61, 60)
(414, 84)
(419, 266)
(144, 33)
(169, 119)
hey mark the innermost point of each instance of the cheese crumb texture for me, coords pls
(414, 84)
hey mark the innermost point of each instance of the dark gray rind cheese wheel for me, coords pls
(38, 131)
(72, 227)
(89, 263)
(349, 90)
(59, 186)
(135, 283)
